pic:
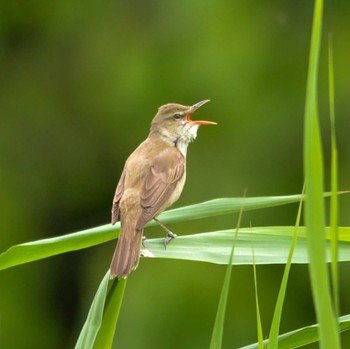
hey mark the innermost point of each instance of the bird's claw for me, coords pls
(168, 238)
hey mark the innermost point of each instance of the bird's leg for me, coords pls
(170, 234)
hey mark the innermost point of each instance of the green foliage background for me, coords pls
(79, 84)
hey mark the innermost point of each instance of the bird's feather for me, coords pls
(160, 186)
(117, 196)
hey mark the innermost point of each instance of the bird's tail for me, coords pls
(127, 253)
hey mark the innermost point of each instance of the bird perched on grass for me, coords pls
(152, 180)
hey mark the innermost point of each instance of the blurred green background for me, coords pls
(79, 84)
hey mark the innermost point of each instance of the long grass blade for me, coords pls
(271, 246)
(218, 330)
(32, 251)
(314, 206)
(93, 322)
(258, 316)
(302, 336)
(334, 180)
(276, 321)
(114, 300)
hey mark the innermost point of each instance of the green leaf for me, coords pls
(302, 336)
(32, 251)
(222, 206)
(114, 300)
(276, 321)
(314, 205)
(334, 181)
(93, 322)
(218, 330)
(258, 317)
(271, 246)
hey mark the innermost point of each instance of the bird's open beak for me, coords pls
(193, 109)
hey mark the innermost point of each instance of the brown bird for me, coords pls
(152, 180)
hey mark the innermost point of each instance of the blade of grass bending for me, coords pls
(276, 321)
(35, 250)
(302, 336)
(314, 205)
(93, 321)
(222, 206)
(218, 330)
(271, 246)
(258, 317)
(114, 300)
(334, 180)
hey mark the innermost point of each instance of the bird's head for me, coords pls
(173, 123)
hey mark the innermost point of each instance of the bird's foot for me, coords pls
(170, 234)
(168, 238)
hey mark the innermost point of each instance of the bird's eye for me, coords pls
(177, 116)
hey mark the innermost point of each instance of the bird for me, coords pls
(152, 180)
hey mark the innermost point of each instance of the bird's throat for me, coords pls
(181, 139)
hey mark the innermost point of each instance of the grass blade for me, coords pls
(276, 321)
(314, 206)
(218, 330)
(334, 180)
(114, 300)
(258, 317)
(302, 336)
(93, 322)
(32, 251)
(271, 246)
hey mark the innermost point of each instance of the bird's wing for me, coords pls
(117, 196)
(160, 182)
